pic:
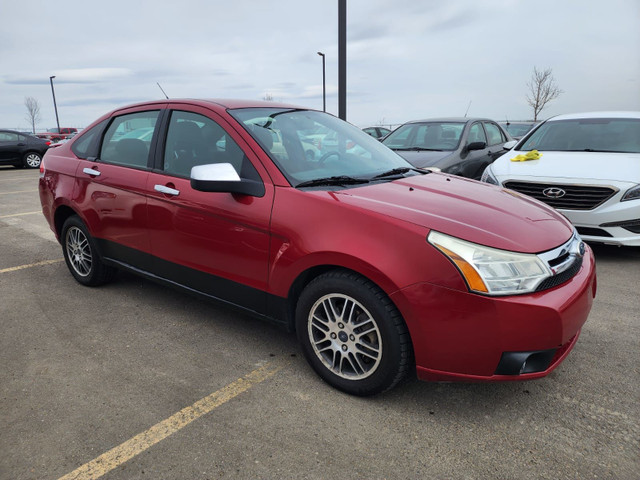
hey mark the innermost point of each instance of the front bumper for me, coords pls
(460, 336)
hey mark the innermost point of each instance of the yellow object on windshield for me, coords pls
(532, 155)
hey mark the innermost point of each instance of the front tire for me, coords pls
(352, 335)
(32, 160)
(81, 254)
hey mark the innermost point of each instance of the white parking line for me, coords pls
(20, 214)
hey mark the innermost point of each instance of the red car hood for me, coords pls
(473, 211)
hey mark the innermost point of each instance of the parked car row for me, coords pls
(382, 269)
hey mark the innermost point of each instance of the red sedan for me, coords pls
(381, 269)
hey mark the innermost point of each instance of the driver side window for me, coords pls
(194, 140)
(476, 134)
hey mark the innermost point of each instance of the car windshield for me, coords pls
(443, 136)
(517, 129)
(308, 146)
(586, 135)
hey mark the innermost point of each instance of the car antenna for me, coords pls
(165, 94)
(468, 107)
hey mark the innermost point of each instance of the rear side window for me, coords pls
(128, 139)
(86, 145)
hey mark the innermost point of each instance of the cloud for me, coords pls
(90, 75)
(82, 75)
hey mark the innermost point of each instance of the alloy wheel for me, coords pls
(79, 251)
(345, 336)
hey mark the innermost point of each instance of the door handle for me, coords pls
(91, 171)
(166, 190)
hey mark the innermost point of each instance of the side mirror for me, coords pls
(509, 145)
(476, 146)
(222, 177)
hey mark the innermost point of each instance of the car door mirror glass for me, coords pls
(509, 145)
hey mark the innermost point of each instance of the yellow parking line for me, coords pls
(20, 214)
(37, 264)
(143, 441)
(18, 191)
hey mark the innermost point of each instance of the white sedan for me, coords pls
(587, 166)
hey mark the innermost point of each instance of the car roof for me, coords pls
(224, 103)
(612, 114)
(450, 119)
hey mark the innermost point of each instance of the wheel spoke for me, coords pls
(350, 318)
(320, 323)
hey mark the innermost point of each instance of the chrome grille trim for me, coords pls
(576, 197)
(564, 262)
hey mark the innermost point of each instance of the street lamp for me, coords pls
(324, 85)
(55, 107)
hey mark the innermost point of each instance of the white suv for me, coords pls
(587, 167)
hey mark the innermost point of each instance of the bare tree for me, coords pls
(33, 112)
(542, 89)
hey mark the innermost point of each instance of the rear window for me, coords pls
(587, 135)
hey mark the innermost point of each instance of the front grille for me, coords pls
(562, 276)
(593, 232)
(576, 197)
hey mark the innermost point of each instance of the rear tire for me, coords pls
(32, 160)
(352, 335)
(81, 254)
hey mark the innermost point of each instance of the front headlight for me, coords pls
(632, 194)
(489, 177)
(492, 271)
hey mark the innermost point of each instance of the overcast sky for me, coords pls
(407, 59)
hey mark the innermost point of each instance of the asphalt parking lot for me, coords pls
(133, 380)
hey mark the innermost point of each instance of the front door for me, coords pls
(214, 243)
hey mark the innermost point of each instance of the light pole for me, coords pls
(55, 107)
(342, 59)
(324, 84)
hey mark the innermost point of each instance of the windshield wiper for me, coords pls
(336, 180)
(393, 172)
(418, 149)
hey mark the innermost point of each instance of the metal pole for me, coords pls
(324, 84)
(342, 59)
(55, 107)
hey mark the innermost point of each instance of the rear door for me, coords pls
(215, 243)
(111, 187)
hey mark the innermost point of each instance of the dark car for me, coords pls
(21, 150)
(382, 269)
(460, 146)
(517, 130)
(377, 132)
